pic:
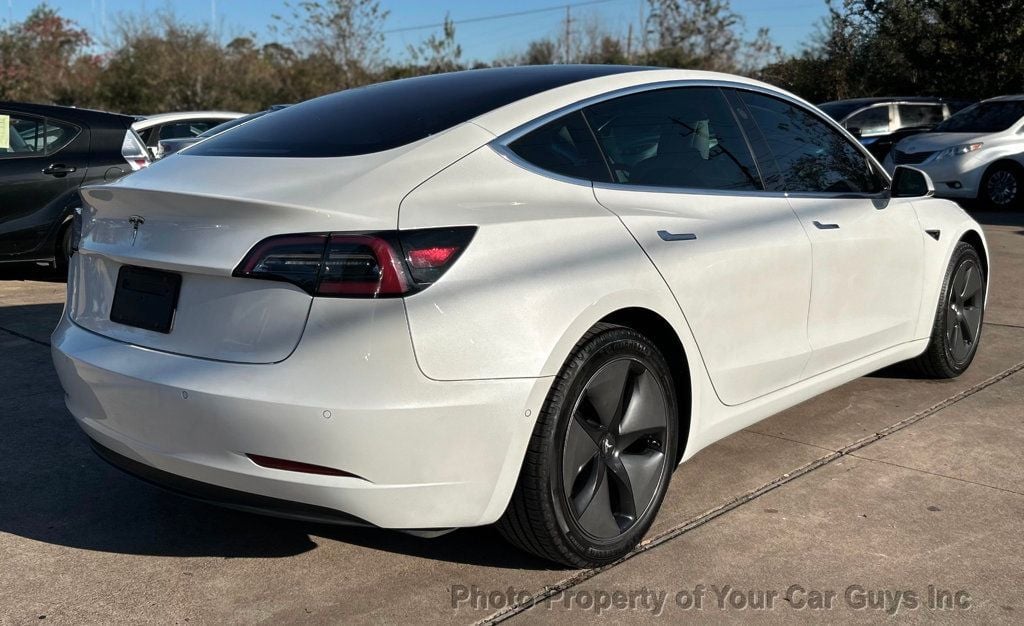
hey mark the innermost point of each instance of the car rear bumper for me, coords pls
(422, 454)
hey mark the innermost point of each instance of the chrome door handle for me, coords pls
(821, 226)
(667, 236)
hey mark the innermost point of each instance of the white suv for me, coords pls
(976, 154)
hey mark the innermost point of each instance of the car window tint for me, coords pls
(391, 114)
(769, 169)
(58, 135)
(565, 146)
(912, 115)
(873, 121)
(180, 130)
(813, 156)
(25, 136)
(993, 116)
(685, 137)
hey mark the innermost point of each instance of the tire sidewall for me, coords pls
(964, 255)
(1013, 171)
(600, 350)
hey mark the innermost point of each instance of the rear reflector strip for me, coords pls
(296, 466)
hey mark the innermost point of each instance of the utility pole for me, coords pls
(629, 44)
(568, 34)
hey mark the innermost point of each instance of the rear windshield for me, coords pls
(984, 117)
(387, 115)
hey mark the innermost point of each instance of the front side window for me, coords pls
(565, 146)
(813, 157)
(873, 121)
(920, 115)
(683, 137)
(32, 136)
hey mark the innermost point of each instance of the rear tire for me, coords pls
(601, 455)
(959, 317)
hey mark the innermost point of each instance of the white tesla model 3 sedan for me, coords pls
(516, 295)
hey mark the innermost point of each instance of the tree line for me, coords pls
(154, 63)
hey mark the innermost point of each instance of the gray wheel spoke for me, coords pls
(644, 471)
(580, 448)
(646, 413)
(972, 284)
(607, 389)
(956, 342)
(958, 286)
(623, 485)
(972, 322)
(597, 517)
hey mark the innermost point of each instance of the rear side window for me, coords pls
(392, 114)
(813, 157)
(873, 121)
(565, 146)
(912, 115)
(32, 136)
(685, 137)
(183, 130)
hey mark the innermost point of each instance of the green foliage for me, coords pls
(955, 48)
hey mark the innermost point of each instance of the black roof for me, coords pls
(87, 117)
(394, 113)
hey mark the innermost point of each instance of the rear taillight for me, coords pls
(134, 152)
(357, 265)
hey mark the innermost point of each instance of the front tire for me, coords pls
(601, 455)
(956, 331)
(62, 255)
(1002, 187)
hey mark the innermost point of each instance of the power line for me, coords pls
(486, 18)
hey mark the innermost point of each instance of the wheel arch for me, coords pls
(974, 238)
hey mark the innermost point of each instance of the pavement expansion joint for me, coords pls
(709, 515)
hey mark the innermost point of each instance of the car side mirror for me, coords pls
(910, 182)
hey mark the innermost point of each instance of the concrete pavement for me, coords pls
(880, 489)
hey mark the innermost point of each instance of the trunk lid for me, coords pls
(198, 216)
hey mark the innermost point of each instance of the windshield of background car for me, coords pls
(392, 114)
(984, 117)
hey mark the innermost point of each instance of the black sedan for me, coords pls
(46, 154)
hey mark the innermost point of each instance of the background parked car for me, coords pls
(167, 147)
(153, 128)
(978, 154)
(880, 123)
(46, 154)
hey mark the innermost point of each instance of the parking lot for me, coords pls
(883, 487)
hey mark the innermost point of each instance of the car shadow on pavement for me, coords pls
(31, 271)
(55, 490)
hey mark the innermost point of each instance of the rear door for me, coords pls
(40, 160)
(867, 247)
(733, 253)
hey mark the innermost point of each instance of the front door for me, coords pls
(867, 248)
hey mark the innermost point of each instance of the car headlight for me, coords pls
(957, 150)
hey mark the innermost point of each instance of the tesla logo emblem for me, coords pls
(606, 445)
(136, 221)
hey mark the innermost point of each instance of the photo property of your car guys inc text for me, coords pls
(382, 311)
